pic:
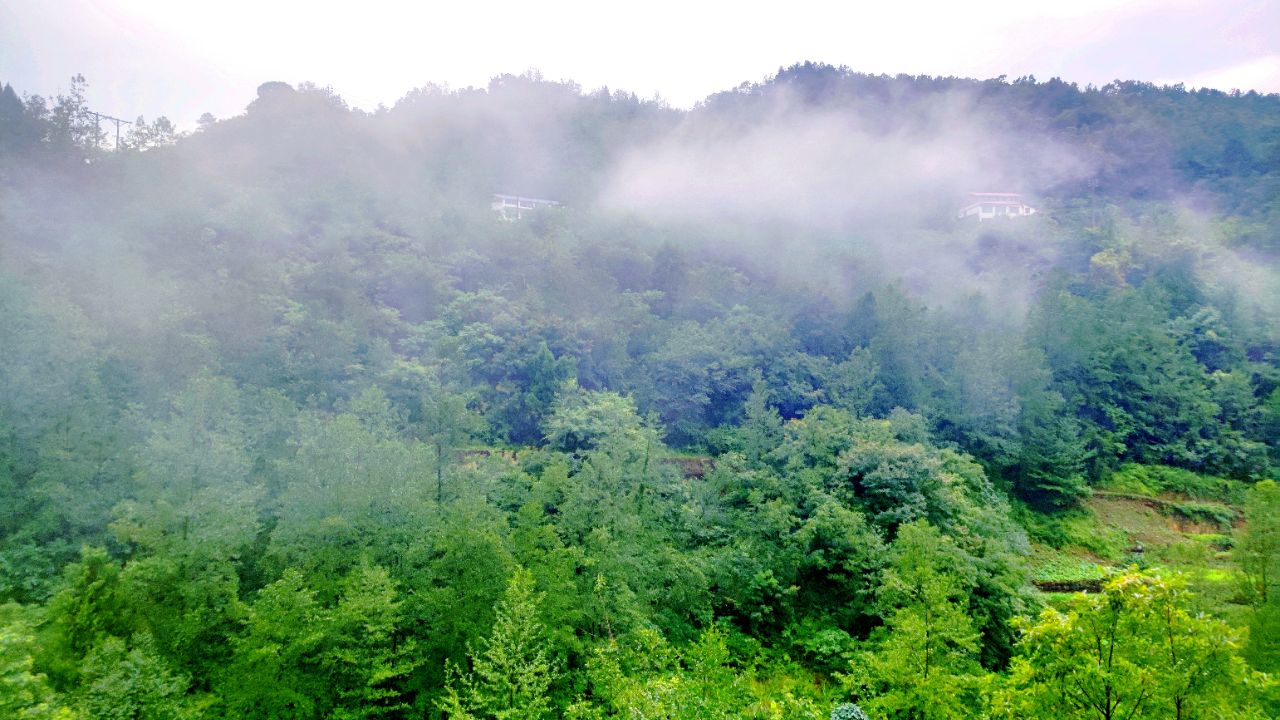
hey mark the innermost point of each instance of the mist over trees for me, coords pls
(293, 424)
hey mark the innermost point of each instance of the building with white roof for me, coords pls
(514, 207)
(990, 205)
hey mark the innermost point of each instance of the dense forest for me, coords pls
(294, 424)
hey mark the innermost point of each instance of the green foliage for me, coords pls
(1258, 553)
(269, 670)
(298, 658)
(120, 682)
(925, 662)
(1259, 550)
(1063, 568)
(90, 606)
(511, 674)
(1075, 528)
(1154, 479)
(761, 429)
(642, 675)
(582, 420)
(365, 658)
(196, 494)
(1220, 515)
(1141, 394)
(284, 410)
(1137, 649)
(1263, 650)
(24, 693)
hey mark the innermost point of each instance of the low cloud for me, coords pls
(883, 197)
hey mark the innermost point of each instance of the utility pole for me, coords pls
(99, 117)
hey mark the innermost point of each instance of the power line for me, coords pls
(99, 117)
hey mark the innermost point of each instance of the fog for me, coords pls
(818, 167)
(817, 178)
(885, 197)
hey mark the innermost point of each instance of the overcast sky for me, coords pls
(180, 58)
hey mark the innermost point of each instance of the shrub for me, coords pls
(848, 711)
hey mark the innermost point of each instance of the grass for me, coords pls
(1054, 566)
(1206, 512)
(1155, 480)
(1078, 528)
(1149, 516)
(1215, 541)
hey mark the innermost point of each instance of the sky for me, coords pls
(181, 59)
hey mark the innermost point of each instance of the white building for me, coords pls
(514, 207)
(989, 205)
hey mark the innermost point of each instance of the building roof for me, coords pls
(540, 201)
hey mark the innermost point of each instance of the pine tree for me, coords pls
(511, 675)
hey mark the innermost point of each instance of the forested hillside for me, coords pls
(293, 424)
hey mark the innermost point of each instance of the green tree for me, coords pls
(854, 384)
(271, 672)
(24, 693)
(455, 574)
(761, 429)
(1139, 649)
(448, 422)
(924, 665)
(354, 488)
(196, 492)
(299, 659)
(581, 420)
(511, 675)
(124, 683)
(1258, 551)
(366, 658)
(641, 675)
(90, 606)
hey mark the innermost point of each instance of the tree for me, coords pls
(145, 136)
(271, 670)
(1138, 649)
(300, 659)
(19, 133)
(196, 492)
(352, 489)
(24, 693)
(71, 125)
(366, 659)
(854, 384)
(90, 606)
(581, 420)
(511, 675)
(925, 662)
(641, 675)
(1259, 550)
(761, 429)
(448, 422)
(123, 683)
(1258, 553)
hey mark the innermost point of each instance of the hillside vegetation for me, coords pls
(294, 425)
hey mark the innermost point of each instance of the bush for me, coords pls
(1221, 515)
(1154, 479)
(848, 711)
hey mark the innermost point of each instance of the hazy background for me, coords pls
(148, 57)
